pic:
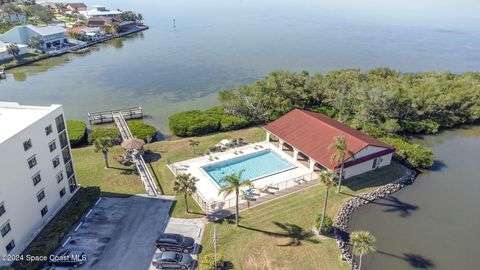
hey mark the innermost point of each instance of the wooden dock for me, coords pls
(107, 116)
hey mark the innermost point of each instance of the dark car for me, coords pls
(175, 242)
(171, 259)
(68, 258)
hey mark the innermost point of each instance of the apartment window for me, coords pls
(56, 161)
(10, 246)
(52, 145)
(66, 155)
(27, 144)
(69, 169)
(63, 139)
(36, 179)
(5, 228)
(59, 177)
(44, 211)
(40, 195)
(73, 183)
(32, 162)
(62, 192)
(60, 123)
(48, 130)
(2, 209)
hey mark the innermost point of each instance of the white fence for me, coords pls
(210, 207)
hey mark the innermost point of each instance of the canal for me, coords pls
(218, 45)
(434, 223)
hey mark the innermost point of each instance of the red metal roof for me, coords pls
(312, 133)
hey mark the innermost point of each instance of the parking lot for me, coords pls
(187, 227)
(119, 233)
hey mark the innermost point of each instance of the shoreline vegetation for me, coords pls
(382, 103)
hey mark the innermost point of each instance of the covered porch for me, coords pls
(295, 153)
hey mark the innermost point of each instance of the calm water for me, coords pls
(219, 44)
(435, 223)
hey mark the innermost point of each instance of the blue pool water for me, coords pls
(256, 165)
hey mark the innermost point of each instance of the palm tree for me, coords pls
(341, 150)
(193, 144)
(102, 144)
(185, 184)
(234, 183)
(363, 243)
(329, 179)
(35, 42)
(13, 50)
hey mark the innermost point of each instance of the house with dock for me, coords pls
(53, 36)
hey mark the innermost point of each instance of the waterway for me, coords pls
(434, 223)
(217, 45)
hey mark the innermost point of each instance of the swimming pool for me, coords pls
(257, 165)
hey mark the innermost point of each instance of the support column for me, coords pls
(295, 154)
(280, 144)
(267, 139)
(312, 164)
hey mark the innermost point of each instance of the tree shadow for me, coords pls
(151, 156)
(438, 165)
(392, 204)
(395, 205)
(125, 171)
(414, 260)
(296, 234)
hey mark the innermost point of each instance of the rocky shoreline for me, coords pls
(347, 209)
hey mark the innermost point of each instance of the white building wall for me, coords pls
(4, 54)
(368, 150)
(17, 191)
(367, 166)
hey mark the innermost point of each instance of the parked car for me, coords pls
(175, 242)
(171, 259)
(68, 258)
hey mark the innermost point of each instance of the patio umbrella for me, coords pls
(133, 144)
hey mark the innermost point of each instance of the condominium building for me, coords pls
(36, 171)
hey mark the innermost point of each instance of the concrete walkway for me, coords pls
(257, 200)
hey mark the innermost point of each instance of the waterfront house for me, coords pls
(54, 36)
(99, 21)
(308, 136)
(99, 10)
(72, 7)
(3, 50)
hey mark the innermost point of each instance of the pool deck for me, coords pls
(207, 187)
(262, 199)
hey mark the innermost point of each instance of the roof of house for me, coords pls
(47, 30)
(312, 134)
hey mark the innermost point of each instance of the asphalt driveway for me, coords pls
(119, 233)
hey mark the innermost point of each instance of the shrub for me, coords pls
(141, 130)
(207, 262)
(77, 132)
(197, 123)
(49, 238)
(193, 123)
(327, 223)
(113, 133)
(231, 122)
(411, 153)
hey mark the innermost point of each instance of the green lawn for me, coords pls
(123, 181)
(262, 241)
